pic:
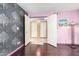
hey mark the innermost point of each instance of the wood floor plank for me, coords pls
(48, 50)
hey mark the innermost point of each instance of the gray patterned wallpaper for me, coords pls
(11, 27)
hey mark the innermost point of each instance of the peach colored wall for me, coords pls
(64, 33)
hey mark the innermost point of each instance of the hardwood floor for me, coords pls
(48, 50)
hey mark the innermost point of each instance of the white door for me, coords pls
(27, 28)
(52, 29)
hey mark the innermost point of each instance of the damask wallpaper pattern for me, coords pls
(11, 27)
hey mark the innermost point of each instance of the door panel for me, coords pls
(33, 29)
(52, 30)
(43, 29)
(27, 28)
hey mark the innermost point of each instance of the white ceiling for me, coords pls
(48, 7)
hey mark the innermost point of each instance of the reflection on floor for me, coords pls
(48, 50)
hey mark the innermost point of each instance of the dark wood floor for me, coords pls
(48, 50)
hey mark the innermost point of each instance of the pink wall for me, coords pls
(64, 33)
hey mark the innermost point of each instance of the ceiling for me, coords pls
(37, 8)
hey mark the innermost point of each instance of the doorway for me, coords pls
(38, 31)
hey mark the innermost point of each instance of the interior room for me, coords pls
(39, 29)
